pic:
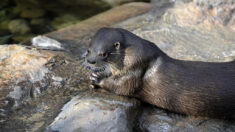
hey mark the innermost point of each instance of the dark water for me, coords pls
(23, 19)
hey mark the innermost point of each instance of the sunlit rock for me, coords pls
(97, 113)
(44, 42)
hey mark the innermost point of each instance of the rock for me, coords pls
(108, 18)
(97, 113)
(4, 3)
(19, 26)
(44, 42)
(29, 78)
(32, 13)
(19, 66)
(85, 3)
(2, 14)
(175, 31)
(153, 119)
(4, 24)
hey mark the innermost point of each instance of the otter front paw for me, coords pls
(95, 80)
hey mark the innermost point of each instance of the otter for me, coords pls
(128, 65)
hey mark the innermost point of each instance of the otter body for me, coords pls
(138, 68)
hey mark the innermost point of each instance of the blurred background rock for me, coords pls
(23, 19)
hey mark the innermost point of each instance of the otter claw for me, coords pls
(92, 86)
(95, 75)
(93, 80)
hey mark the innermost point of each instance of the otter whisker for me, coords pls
(118, 53)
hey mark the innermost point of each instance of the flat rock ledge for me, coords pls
(46, 88)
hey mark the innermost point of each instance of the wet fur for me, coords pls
(140, 69)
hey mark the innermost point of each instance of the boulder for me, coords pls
(154, 119)
(4, 3)
(97, 112)
(19, 26)
(21, 67)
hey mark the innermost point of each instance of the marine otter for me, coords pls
(128, 65)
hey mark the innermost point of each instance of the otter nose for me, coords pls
(91, 61)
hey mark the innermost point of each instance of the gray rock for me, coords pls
(44, 42)
(4, 20)
(179, 33)
(154, 119)
(21, 68)
(101, 114)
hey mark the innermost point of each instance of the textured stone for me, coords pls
(174, 29)
(4, 24)
(44, 42)
(153, 119)
(18, 65)
(99, 113)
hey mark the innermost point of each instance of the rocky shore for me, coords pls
(46, 89)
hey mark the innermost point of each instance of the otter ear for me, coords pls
(117, 45)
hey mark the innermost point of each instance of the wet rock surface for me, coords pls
(186, 30)
(96, 112)
(29, 80)
(158, 120)
(44, 90)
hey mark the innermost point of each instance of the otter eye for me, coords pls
(103, 54)
(117, 45)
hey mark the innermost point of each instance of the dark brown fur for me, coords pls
(140, 69)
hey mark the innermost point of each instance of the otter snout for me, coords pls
(91, 61)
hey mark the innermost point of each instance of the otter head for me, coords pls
(105, 49)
